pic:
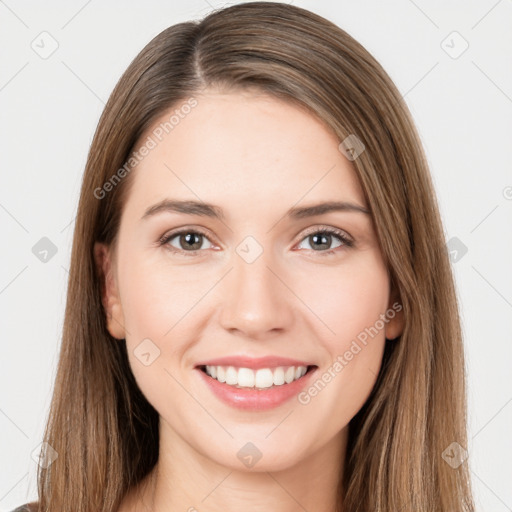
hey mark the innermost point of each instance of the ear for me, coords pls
(395, 314)
(104, 260)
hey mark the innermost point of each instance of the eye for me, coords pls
(187, 240)
(321, 239)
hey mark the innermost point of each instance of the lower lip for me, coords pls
(255, 399)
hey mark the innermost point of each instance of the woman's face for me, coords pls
(253, 275)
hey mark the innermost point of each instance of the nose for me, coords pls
(256, 303)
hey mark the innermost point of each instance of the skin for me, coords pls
(255, 157)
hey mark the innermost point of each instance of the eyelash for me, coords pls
(343, 238)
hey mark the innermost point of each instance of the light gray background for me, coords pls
(49, 111)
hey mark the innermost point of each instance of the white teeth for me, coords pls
(278, 376)
(231, 376)
(289, 374)
(261, 379)
(221, 373)
(264, 378)
(245, 377)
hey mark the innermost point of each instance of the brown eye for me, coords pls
(185, 241)
(321, 240)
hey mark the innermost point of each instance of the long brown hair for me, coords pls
(101, 426)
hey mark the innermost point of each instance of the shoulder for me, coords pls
(28, 507)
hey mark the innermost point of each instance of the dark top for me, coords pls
(28, 507)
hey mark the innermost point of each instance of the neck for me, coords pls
(187, 481)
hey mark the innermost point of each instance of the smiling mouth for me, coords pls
(263, 378)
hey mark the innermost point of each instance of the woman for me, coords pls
(261, 311)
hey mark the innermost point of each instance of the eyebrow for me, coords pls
(191, 207)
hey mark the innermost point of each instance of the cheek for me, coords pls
(158, 305)
(351, 306)
(348, 298)
(157, 296)
(163, 312)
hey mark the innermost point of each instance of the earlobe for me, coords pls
(395, 314)
(109, 291)
(394, 328)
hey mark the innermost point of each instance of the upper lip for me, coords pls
(254, 363)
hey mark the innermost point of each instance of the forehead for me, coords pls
(242, 150)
